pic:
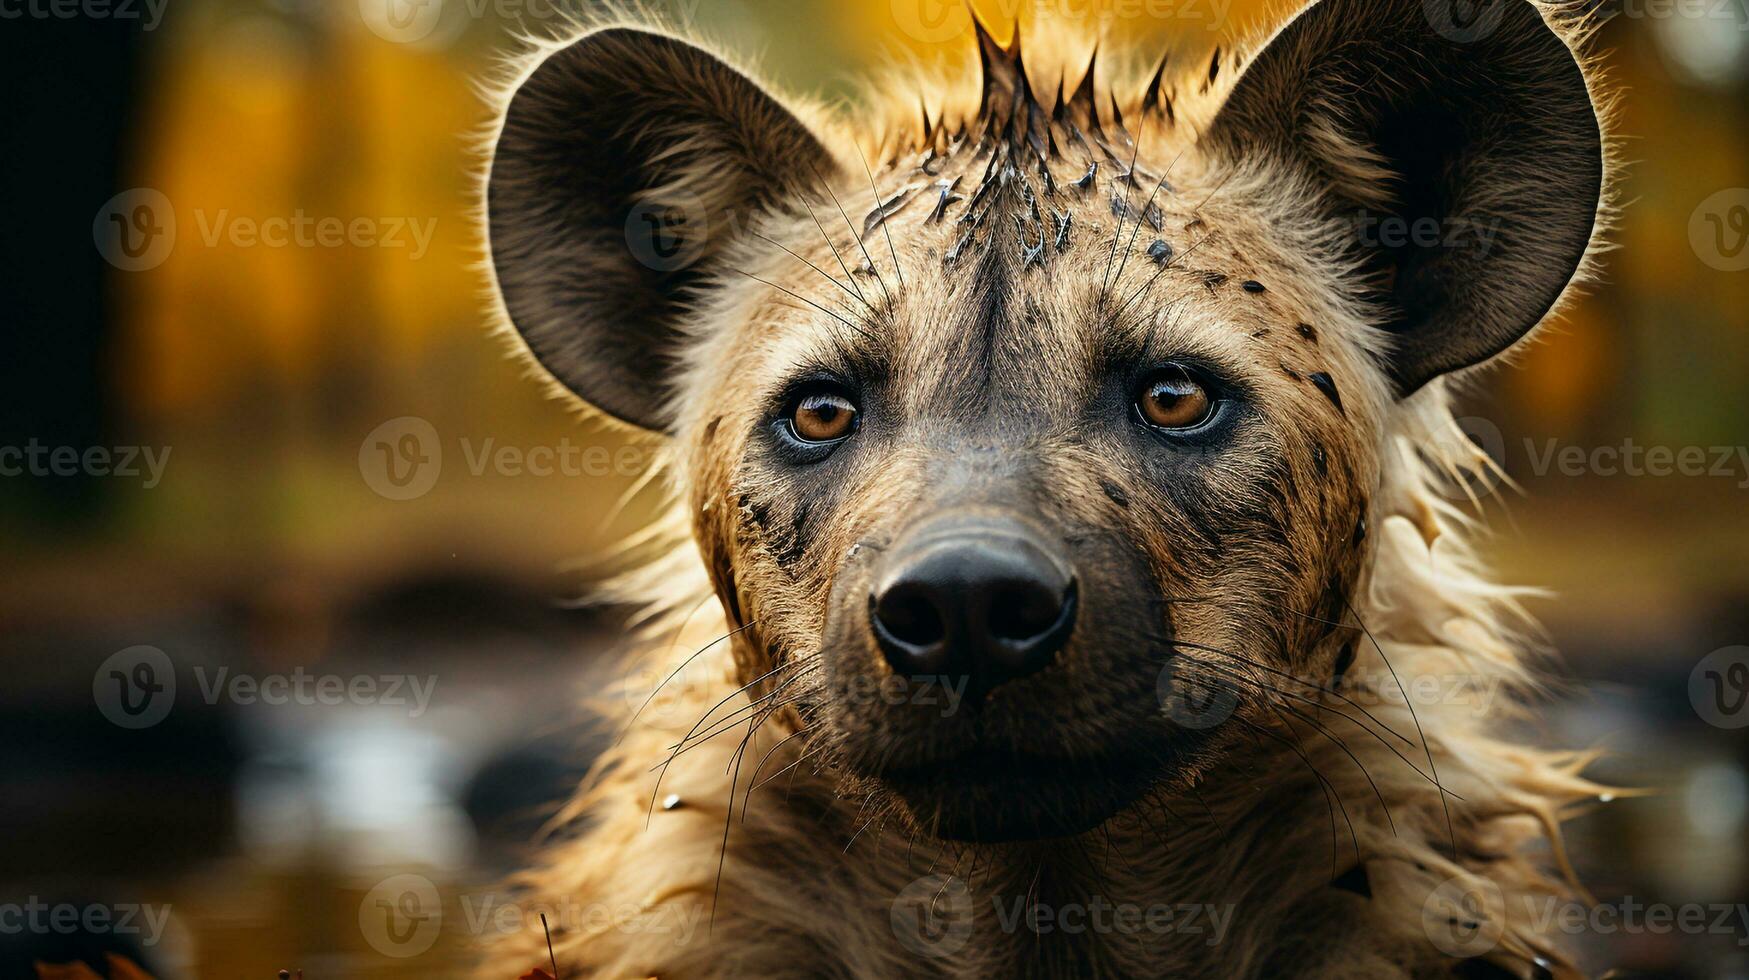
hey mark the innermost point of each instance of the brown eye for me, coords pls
(1175, 401)
(823, 417)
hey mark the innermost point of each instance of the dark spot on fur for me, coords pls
(1085, 181)
(1360, 530)
(1260, 334)
(710, 431)
(1344, 660)
(1160, 252)
(1324, 384)
(1319, 460)
(1194, 223)
(1252, 286)
(1307, 332)
(1354, 880)
(1210, 279)
(1117, 496)
(1290, 372)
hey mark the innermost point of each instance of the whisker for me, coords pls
(829, 278)
(1449, 829)
(677, 670)
(1130, 178)
(853, 234)
(1137, 230)
(897, 270)
(810, 302)
(836, 254)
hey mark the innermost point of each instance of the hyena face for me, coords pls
(1010, 451)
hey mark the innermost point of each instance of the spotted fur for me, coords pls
(991, 269)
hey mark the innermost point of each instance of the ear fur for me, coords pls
(627, 162)
(1464, 162)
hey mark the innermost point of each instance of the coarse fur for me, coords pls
(1022, 224)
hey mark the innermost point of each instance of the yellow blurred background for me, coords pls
(264, 371)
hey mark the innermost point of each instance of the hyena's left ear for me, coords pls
(627, 163)
(1464, 159)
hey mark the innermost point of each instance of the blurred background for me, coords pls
(256, 417)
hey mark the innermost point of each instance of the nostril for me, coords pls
(910, 616)
(1023, 611)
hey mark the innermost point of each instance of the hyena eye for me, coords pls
(823, 416)
(1172, 399)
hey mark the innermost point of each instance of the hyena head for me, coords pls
(1065, 413)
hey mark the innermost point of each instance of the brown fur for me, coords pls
(1306, 562)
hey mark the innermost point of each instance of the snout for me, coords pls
(986, 599)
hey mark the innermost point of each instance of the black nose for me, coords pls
(988, 601)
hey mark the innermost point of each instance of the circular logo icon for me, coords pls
(135, 230)
(1719, 688)
(932, 916)
(401, 458)
(1464, 21)
(1718, 230)
(657, 690)
(1193, 698)
(1464, 918)
(401, 916)
(136, 687)
(1478, 449)
(932, 21)
(669, 234)
(413, 21)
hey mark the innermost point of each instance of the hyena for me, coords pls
(1061, 469)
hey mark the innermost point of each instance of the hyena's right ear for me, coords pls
(626, 162)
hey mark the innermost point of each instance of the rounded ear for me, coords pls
(1465, 161)
(626, 163)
